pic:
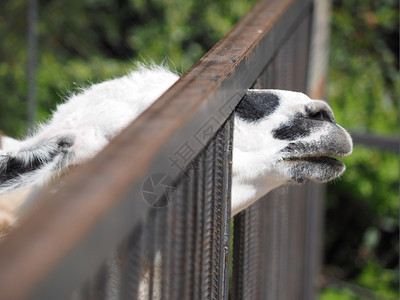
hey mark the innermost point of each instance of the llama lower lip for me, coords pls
(315, 168)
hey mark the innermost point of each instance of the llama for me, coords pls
(279, 137)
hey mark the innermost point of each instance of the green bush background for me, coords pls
(362, 221)
(87, 41)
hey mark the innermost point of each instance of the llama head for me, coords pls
(283, 137)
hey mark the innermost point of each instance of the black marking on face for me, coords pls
(296, 128)
(256, 105)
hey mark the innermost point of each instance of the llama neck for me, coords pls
(246, 193)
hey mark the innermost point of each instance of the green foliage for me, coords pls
(363, 206)
(342, 294)
(364, 60)
(13, 91)
(71, 76)
(373, 176)
(384, 281)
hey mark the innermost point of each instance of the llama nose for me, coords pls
(341, 141)
(319, 110)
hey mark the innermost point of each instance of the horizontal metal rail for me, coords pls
(65, 242)
(376, 141)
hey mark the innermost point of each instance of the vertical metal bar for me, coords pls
(207, 219)
(158, 251)
(198, 229)
(166, 252)
(301, 57)
(253, 255)
(296, 229)
(177, 242)
(95, 288)
(238, 285)
(221, 231)
(152, 265)
(267, 254)
(190, 233)
(226, 178)
(131, 253)
(313, 242)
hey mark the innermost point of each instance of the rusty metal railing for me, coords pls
(149, 217)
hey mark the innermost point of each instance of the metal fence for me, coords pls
(149, 217)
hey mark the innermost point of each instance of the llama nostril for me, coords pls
(322, 115)
(318, 115)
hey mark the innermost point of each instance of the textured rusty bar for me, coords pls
(176, 242)
(207, 222)
(131, 256)
(191, 198)
(225, 214)
(388, 143)
(166, 253)
(221, 207)
(198, 230)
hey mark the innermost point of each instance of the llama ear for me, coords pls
(34, 161)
